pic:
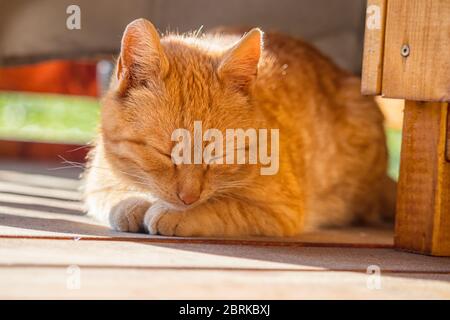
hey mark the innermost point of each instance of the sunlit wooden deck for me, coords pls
(45, 241)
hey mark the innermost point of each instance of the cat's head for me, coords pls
(165, 84)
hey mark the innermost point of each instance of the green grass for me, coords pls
(394, 141)
(47, 117)
(59, 118)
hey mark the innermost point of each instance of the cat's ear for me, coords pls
(239, 65)
(141, 55)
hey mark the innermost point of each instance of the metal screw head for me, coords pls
(405, 50)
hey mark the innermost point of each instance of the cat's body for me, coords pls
(332, 149)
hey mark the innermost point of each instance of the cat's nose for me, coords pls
(188, 197)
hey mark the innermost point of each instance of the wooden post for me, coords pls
(423, 204)
(416, 67)
(372, 68)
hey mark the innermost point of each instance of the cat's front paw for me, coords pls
(128, 215)
(161, 220)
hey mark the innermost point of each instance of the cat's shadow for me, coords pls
(390, 262)
(57, 227)
(281, 256)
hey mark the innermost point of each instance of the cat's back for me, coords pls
(288, 55)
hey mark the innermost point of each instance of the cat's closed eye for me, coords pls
(136, 142)
(130, 141)
(143, 146)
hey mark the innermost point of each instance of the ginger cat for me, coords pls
(332, 150)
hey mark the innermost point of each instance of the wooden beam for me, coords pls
(42, 151)
(417, 46)
(372, 69)
(423, 203)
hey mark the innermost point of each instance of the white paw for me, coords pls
(128, 215)
(161, 220)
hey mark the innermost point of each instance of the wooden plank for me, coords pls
(20, 189)
(62, 283)
(57, 76)
(372, 68)
(40, 180)
(42, 151)
(423, 203)
(422, 72)
(20, 200)
(41, 174)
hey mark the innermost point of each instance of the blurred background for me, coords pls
(53, 71)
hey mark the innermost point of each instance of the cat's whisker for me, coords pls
(89, 145)
(73, 164)
(65, 167)
(131, 192)
(82, 165)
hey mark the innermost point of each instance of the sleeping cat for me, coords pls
(332, 150)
